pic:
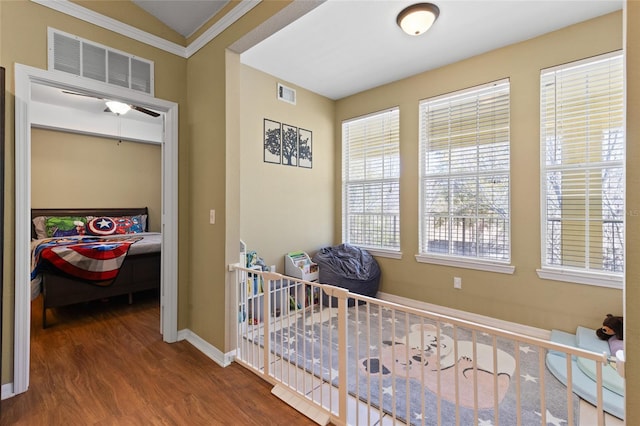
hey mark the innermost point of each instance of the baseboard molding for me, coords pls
(7, 391)
(207, 348)
(468, 316)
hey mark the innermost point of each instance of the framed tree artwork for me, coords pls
(272, 141)
(305, 151)
(289, 145)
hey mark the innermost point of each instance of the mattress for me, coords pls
(584, 371)
(151, 242)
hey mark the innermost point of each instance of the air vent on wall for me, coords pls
(84, 58)
(286, 94)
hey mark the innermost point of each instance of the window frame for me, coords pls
(565, 273)
(450, 259)
(376, 250)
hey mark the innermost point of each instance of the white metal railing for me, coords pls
(380, 361)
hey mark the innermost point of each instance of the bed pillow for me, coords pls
(108, 225)
(64, 226)
(39, 226)
(102, 225)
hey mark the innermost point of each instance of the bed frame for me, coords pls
(138, 272)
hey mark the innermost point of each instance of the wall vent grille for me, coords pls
(286, 94)
(84, 58)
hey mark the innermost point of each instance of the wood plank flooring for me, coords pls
(104, 363)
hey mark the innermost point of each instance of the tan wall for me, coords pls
(211, 144)
(70, 170)
(285, 208)
(632, 290)
(521, 297)
(23, 39)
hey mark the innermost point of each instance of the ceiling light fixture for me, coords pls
(418, 18)
(118, 107)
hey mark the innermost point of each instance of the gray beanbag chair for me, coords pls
(348, 267)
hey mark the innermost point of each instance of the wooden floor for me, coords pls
(104, 363)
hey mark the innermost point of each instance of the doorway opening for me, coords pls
(25, 78)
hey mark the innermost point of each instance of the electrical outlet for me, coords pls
(457, 283)
(212, 216)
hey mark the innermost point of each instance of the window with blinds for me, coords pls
(582, 138)
(371, 181)
(464, 174)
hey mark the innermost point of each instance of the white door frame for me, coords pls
(24, 78)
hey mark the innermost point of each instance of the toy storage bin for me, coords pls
(279, 302)
(298, 264)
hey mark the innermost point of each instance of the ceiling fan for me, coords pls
(110, 109)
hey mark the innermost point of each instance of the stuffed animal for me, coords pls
(611, 326)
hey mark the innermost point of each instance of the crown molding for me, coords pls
(84, 14)
(212, 32)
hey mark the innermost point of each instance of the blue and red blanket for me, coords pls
(90, 258)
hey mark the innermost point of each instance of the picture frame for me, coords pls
(272, 146)
(289, 145)
(305, 148)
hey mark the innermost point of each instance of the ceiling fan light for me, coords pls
(118, 107)
(418, 18)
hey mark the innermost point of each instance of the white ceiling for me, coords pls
(183, 16)
(344, 47)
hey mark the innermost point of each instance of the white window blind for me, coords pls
(582, 142)
(371, 181)
(464, 174)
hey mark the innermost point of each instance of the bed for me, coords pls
(136, 269)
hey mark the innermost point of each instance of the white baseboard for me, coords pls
(468, 316)
(7, 391)
(207, 348)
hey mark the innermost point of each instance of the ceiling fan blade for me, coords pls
(144, 110)
(82, 94)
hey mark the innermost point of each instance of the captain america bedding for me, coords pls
(93, 258)
(94, 245)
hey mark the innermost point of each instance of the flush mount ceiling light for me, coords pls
(118, 107)
(418, 18)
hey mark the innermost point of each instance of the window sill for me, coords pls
(383, 253)
(588, 278)
(459, 262)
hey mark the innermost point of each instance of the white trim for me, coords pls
(384, 253)
(22, 173)
(589, 60)
(7, 391)
(84, 14)
(220, 358)
(463, 92)
(468, 316)
(24, 77)
(460, 262)
(227, 20)
(579, 277)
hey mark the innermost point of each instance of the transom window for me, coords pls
(582, 140)
(464, 174)
(371, 181)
